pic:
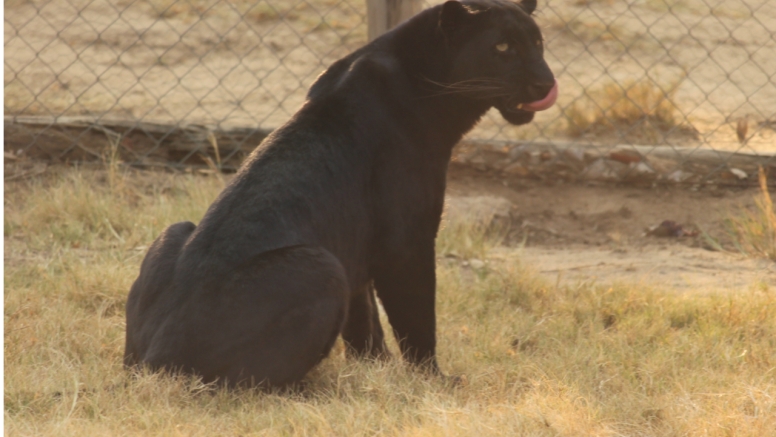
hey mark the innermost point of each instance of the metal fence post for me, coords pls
(384, 15)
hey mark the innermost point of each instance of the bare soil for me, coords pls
(573, 232)
(588, 232)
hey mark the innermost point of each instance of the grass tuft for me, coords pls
(640, 110)
(468, 240)
(97, 209)
(755, 231)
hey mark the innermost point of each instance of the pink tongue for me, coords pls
(541, 105)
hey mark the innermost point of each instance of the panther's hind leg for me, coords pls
(363, 334)
(266, 323)
(156, 273)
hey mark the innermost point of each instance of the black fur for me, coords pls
(345, 197)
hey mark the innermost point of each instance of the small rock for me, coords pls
(641, 170)
(605, 169)
(669, 228)
(733, 174)
(535, 158)
(516, 169)
(626, 156)
(518, 152)
(476, 263)
(574, 154)
(740, 174)
(679, 176)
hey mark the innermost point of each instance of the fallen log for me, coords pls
(159, 144)
(138, 143)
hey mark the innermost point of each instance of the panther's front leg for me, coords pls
(407, 290)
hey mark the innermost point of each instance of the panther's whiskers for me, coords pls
(487, 88)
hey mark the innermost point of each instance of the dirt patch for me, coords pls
(671, 266)
(565, 232)
(581, 232)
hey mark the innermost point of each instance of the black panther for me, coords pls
(341, 202)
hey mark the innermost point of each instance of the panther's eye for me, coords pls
(502, 47)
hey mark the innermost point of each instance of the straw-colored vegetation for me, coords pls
(643, 110)
(252, 11)
(754, 231)
(538, 359)
(735, 10)
(57, 98)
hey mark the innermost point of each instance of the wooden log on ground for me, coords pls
(139, 143)
(156, 144)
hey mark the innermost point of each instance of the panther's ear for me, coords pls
(454, 15)
(529, 6)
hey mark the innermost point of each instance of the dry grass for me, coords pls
(252, 11)
(592, 2)
(539, 359)
(754, 231)
(592, 30)
(464, 240)
(188, 10)
(642, 110)
(735, 10)
(56, 98)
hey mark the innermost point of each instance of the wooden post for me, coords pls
(384, 15)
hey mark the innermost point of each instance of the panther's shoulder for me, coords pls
(373, 66)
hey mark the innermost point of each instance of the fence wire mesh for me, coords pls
(646, 85)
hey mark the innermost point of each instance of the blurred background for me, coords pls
(177, 83)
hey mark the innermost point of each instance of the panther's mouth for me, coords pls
(541, 105)
(522, 113)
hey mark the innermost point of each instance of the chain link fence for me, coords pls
(681, 91)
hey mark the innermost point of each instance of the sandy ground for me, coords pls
(582, 233)
(666, 266)
(250, 63)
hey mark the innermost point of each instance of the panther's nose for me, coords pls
(539, 90)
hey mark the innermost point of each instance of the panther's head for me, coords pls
(497, 51)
